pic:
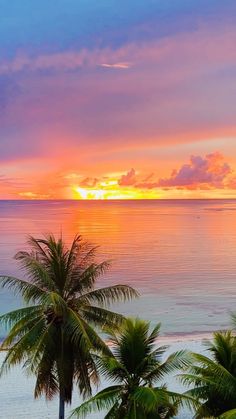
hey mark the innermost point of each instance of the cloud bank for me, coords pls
(201, 172)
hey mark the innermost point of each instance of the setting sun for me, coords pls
(107, 193)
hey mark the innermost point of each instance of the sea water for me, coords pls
(179, 254)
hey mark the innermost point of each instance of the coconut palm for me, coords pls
(53, 335)
(135, 367)
(214, 378)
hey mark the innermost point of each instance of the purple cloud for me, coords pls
(208, 171)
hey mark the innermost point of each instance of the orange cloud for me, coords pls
(33, 195)
(128, 179)
(89, 182)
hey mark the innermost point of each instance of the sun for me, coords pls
(109, 192)
(84, 193)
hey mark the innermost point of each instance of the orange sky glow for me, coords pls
(120, 108)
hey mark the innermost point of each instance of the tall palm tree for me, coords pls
(135, 366)
(53, 334)
(214, 378)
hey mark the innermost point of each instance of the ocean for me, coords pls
(179, 254)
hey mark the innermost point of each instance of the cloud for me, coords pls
(69, 60)
(12, 182)
(97, 120)
(88, 182)
(201, 173)
(147, 185)
(150, 176)
(128, 179)
(210, 171)
(146, 182)
(212, 47)
(33, 195)
(192, 88)
(116, 65)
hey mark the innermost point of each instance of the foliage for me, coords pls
(54, 335)
(135, 366)
(214, 379)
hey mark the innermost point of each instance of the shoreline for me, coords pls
(195, 336)
(173, 338)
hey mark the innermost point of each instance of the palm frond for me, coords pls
(30, 292)
(47, 381)
(231, 414)
(113, 412)
(101, 317)
(13, 317)
(112, 369)
(183, 400)
(83, 280)
(176, 361)
(22, 347)
(97, 343)
(108, 295)
(154, 334)
(150, 398)
(104, 400)
(36, 271)
(223, 378)
(20, 328)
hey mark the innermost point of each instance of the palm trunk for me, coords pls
(61, 385)
(61, 407)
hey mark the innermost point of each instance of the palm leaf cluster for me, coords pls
(54, 334)
(214, 378)
(135, 366)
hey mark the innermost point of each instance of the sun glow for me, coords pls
(107, 192)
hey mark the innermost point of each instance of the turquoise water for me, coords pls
(180, 255)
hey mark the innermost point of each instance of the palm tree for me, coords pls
(214, 378)
(53, 334)
(135, 366)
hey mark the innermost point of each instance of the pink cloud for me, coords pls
(122, 66)
(128, 179)
(147, 185)
(210, 171)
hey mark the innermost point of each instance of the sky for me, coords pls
(117, 99)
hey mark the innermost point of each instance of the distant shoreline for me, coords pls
(172, 338)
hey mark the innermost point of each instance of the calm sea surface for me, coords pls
(180, 255)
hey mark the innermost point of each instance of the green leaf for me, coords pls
(104, 400)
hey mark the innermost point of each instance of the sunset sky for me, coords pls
(117, 99)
